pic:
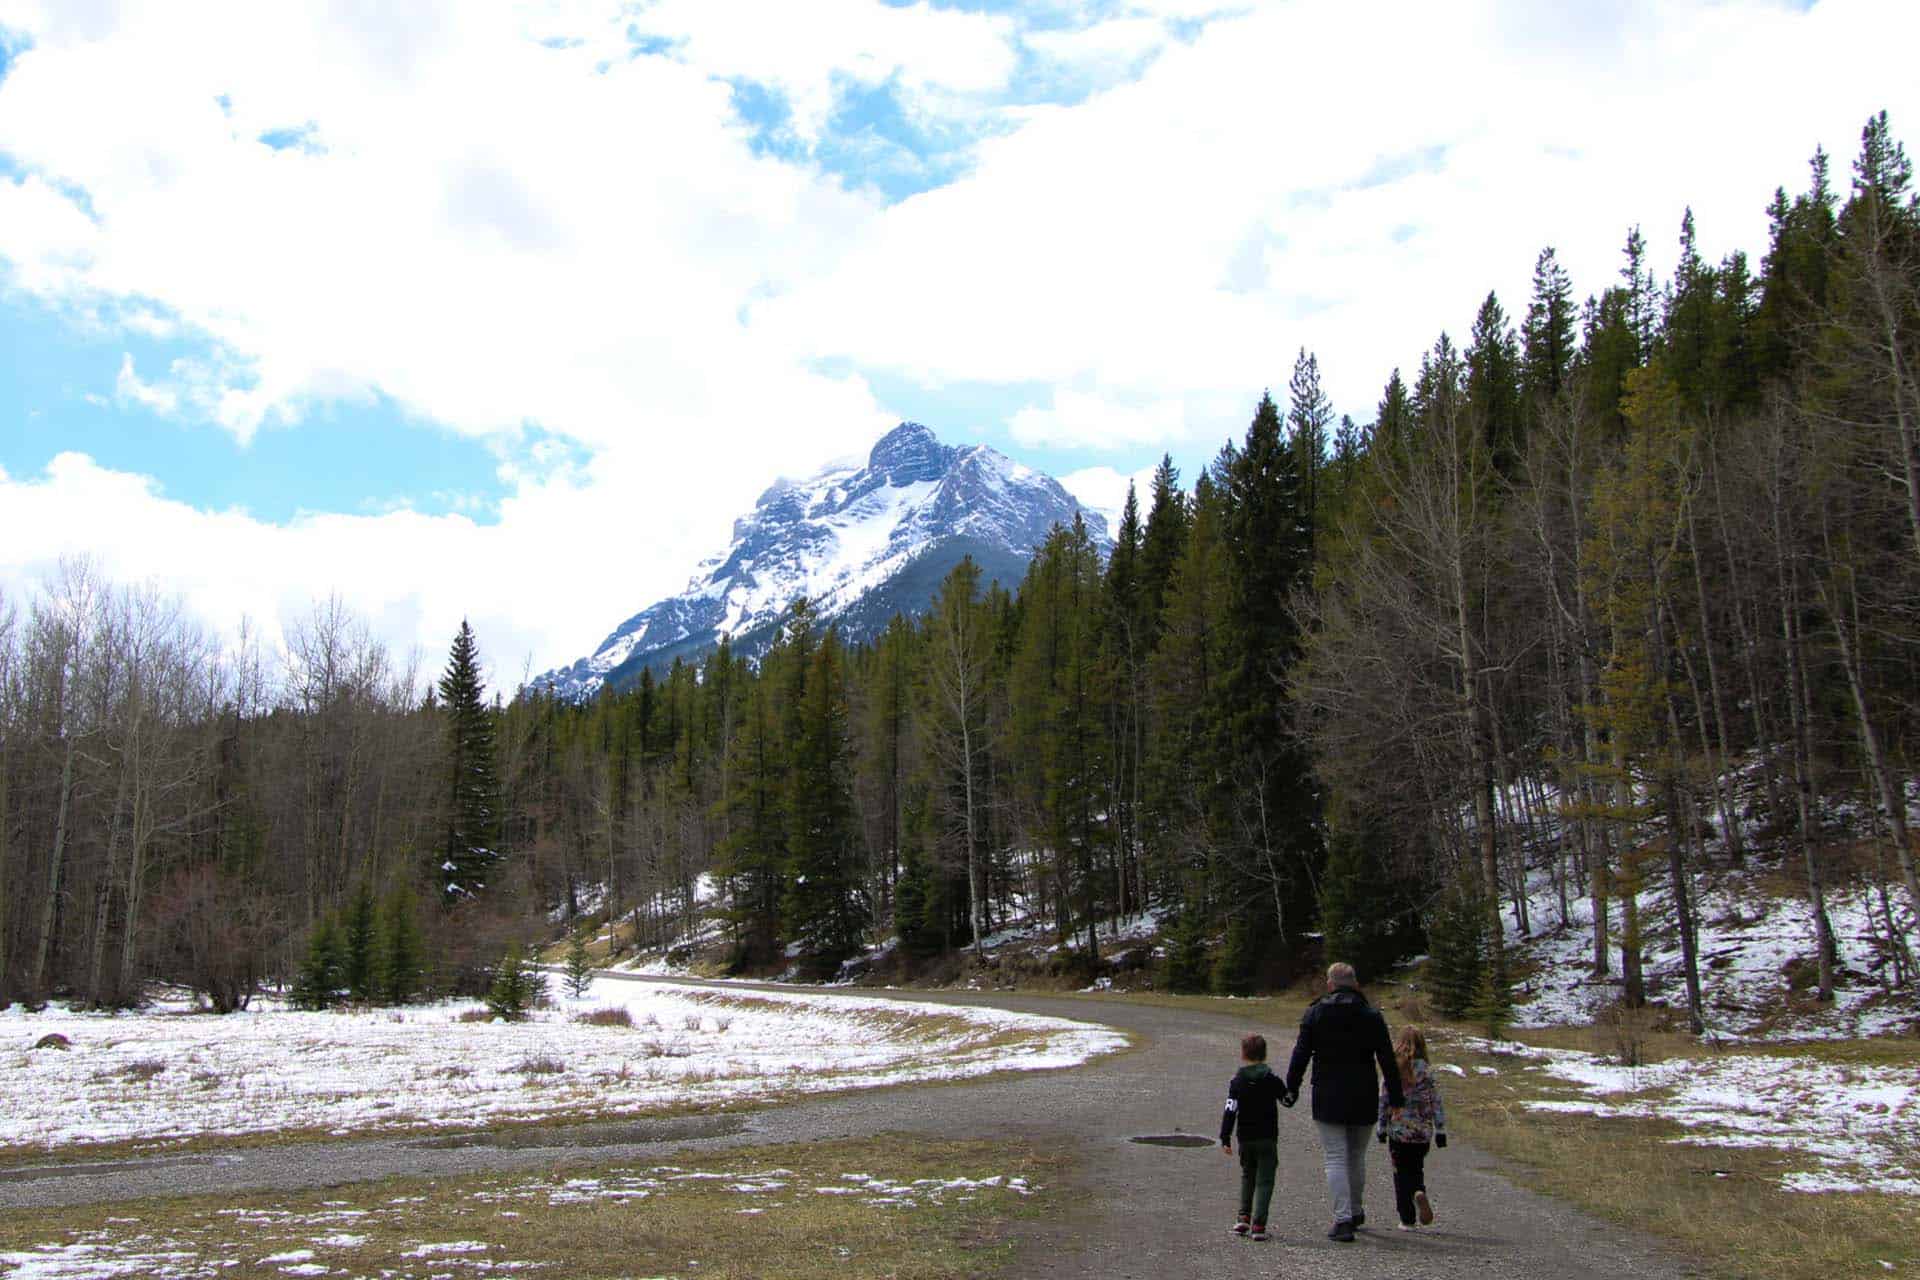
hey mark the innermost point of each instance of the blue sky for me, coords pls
(306, 306)
(370, 454)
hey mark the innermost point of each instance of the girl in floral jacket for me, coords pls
(1410, 1131)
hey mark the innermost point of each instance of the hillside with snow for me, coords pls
(862, 541)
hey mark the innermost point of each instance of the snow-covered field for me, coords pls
(308, 1244)
(1853, 1126)
(173, 1075)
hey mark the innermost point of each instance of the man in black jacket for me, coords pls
(1344, 1037)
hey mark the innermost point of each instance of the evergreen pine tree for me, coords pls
(360, 970)
(468, 849)
(517, 986)
(1456, 951)
(1162, 541)
(1059, 719)
(401, 974)
(1242, 950)
(912, 897)
(1185, 770)
(318, 984)
(824, 903)
(1393, 420)
(1547, 337)
(1309, 422)
(1492, 1003)
(1270, 833)
(1367, 917)
(1188, 964)
(579, 965)
(1493, 387)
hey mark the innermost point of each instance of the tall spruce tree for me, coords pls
(361, 966)
(1309, 421)
(402, 973)
(1162, 542)
(1059, 720)
(468, 850)
(1547, 339)
(1493, 387)
(825, 908)
(1272, 834)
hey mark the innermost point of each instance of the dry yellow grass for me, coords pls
(1723, 1207)
(690, 1226)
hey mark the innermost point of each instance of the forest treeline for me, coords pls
(1616, 591)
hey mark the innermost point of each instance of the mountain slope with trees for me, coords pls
(1619, 592)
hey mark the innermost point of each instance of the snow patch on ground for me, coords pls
(148, 1076)
(1853, 1123)
(1747, 937)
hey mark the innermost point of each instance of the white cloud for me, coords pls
(1104, 490)
(1351, 179)
(130, 389)
(414, 576)
(493, 232)
(1074, 418)
(939, 58)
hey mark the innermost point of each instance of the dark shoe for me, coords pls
(1259, 1233)
(1342, 1231)
(1425, 1206)
(1359, 1220)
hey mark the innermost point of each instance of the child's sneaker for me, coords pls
(1425, 1206)
(1407, 1226)
(1259, 1235)
(1240, 1227)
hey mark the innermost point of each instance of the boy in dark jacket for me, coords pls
(1345, 1038)
(1251, 1096)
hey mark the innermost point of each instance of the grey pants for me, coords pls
(1345, 1147)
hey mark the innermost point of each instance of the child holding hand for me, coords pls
(1411, 1130)
(1251, 1098)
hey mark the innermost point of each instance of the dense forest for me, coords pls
(1617, 589)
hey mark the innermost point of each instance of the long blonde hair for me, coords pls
(1408, 1045)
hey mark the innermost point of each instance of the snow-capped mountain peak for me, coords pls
(861, 541)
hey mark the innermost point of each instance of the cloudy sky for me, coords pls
(462, 309)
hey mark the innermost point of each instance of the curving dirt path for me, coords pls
(1145, 1210)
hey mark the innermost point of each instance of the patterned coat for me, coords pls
(1422, 1117)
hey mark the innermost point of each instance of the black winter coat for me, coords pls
(1344, 1037)
(1252, 1103)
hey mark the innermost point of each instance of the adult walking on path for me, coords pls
(1345, 1038)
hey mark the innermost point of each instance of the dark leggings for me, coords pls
(1409, 1175)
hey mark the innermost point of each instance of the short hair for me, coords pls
(1341, 974)
(1253, 1048)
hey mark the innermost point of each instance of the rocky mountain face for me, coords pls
(861, 542)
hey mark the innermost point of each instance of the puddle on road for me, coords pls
(625, 1134)
(1172, 1140)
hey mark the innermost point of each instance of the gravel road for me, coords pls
(1146, 1210)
